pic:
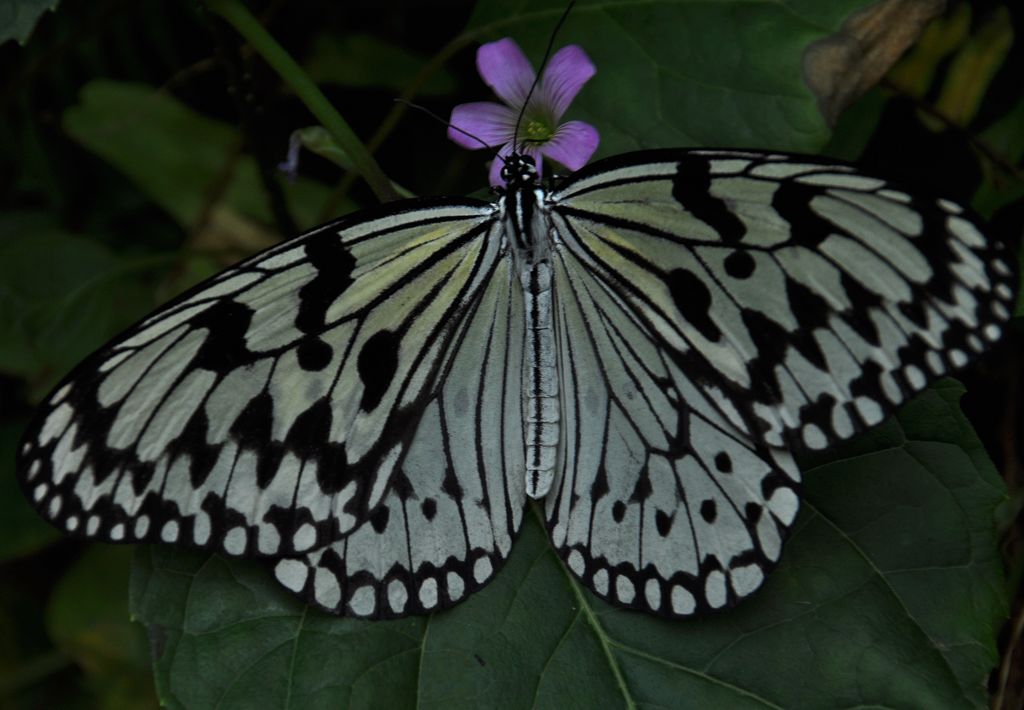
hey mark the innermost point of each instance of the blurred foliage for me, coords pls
(19, 17)
(138, 152)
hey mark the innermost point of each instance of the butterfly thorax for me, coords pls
(523, 198)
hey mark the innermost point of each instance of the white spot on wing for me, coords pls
(235, 541)
(305, 537)
(201, 528)
(292, 574)
(624, 589)
(428, 593)
(652, 594)
(482, 570)
(682, 601)
(456, 587)
(363, 601)
(577, 563)
(170, 531)
(325, 588)
(398, 596)
(746, 579)
(714, 589)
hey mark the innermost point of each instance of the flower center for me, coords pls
(538, 131)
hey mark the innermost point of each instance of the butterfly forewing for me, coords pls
(264, 412)
(813, 298)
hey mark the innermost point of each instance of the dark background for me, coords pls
(50, 656)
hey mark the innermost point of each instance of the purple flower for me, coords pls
(505, 69)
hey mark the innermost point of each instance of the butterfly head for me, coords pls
(519, 171)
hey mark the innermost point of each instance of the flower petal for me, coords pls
(573, 144)
(565, 74)
(505, 69)
(490, 122)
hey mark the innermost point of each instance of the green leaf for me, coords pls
(673, 73)
(19, 17)
(361, 60)
(22, 531)
(87, 621)
(889, 593)
(61, 297)
(187, 163)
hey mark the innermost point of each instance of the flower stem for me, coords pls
(239, 17)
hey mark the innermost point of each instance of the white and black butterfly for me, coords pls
(371, 404)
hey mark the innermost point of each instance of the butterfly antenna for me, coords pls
(437, 118)
(540, 72)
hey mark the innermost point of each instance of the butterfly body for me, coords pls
(371, 404)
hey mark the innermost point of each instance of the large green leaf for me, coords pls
(684, 72)
(61, 296)
(23, 530)
(889, 593)
(87, 622)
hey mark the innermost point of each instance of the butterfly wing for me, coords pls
(719, 307)
(264, 412)
(449, 518)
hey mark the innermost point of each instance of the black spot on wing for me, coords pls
(253, 430)
(663, 522)
(377, 364)
(642, 490)
(309, 438)
(723, 462)
(333, 264)
(693, 299)
(599, 488)
(226, 323)
(691, 187)
(863, 302)
(709, 510)
(740, 264)
(429, 508)
(313, 354)
(379, 518)
(792, 200)
(192, 442)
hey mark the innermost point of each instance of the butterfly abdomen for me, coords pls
(540, 402)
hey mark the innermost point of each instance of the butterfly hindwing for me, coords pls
(659, 502)
(263, 412)
(456, 502)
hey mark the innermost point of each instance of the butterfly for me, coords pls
(640, 348)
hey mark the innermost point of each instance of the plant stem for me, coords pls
(239, 17)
